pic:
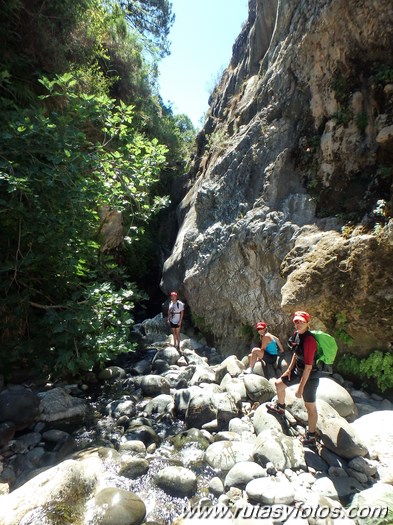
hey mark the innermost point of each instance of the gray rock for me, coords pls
(177, 481)
(112, 372)
(121, 407)
(57, 405)
(243, 472)
(200, 410)
(259, 388)
(282, 451)
(270, 491)
(133, 468)
(380, 499)
(153, 385)
(161, 404)
(216, 486)
(134, 447)
(223, 455)
(337, 397)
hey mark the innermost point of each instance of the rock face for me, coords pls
(290, 192)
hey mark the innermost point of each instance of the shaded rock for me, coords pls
(159, 405)
(57, 404)
(18, 405)
(142, 433)
(200, 410)
(112, 372)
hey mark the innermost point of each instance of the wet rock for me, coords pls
(132, 468)
(116, 506)
(178, 481)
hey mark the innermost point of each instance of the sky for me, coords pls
(201, 48)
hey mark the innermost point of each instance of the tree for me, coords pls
(61, 309)
(152, 19)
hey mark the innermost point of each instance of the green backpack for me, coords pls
(326, 350)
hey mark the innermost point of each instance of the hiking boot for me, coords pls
(309, 441)
(275, 407)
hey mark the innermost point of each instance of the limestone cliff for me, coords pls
(290, 194)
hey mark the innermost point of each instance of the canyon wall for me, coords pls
(289, 197)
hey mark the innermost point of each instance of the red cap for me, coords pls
(173, 293)
(301, 316)
(261, 326)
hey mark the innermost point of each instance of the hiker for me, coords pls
(269, 351)
(175, 318)
(302, 371)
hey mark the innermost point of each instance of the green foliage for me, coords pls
(341, 329)
(58, 166)
(247, 332)
(217, 140)
(361, 121)
(198, 322)
(378, 367)
(384, 74)
(82, 128)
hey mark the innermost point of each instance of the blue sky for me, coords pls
(201, 47)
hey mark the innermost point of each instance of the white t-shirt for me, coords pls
(174, 311)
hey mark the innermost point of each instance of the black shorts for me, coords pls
(269, 359)
(310, 390)
(173, 325)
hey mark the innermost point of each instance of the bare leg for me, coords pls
(312, 416)
(255, 354)
(280, 387)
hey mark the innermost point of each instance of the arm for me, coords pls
(281, 349)
(181, 317)
(303, 381)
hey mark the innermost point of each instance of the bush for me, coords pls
(378, 367)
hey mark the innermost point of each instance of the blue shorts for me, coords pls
(310, 390)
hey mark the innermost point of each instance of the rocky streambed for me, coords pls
(170, 438)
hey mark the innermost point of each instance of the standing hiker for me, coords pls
(302, 371)
(175, 318)
(269, 351)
